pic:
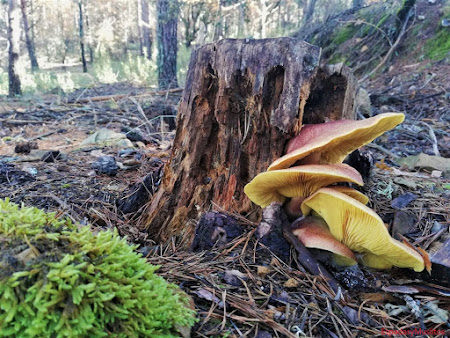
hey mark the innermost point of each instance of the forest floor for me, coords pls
(240, 288)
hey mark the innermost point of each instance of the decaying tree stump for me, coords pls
(243, 100)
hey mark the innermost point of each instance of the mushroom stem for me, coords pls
(314, 158)
(293, 207)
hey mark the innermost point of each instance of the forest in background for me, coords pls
(65, 45)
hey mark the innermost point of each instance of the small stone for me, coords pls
(403, 200)
(441, 263)
(234, 277)
(25, 147)
(51, 156)
(106, 165)
(436, 173)
(132, 134)
(403, 223)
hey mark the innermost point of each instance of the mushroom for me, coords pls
(300, 181)
(362, 230)
(331, 142)
(293, 207)
(313, 232)
(353, 193)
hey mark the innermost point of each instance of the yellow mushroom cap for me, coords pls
(335, 140)
(353, 193)
(361, 229)
(313, 232)
(300, 181)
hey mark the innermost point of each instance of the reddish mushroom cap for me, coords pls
(313, 232)
(331, 142)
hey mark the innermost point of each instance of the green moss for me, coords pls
(337, 58)
(58, 281)
(383, 19)
(343, 34)
(438, 48)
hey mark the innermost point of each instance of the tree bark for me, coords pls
(29, 41)
(146, 36)
(14, 48)
(310, 9)
(243, 100)
(167, 43)
(90, 39)
(357, 3)
(81, 33)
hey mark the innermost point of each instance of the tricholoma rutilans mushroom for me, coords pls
(361, 230)
(340, 221)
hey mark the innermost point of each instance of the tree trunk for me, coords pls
(29, 42)
(167, 43)
(263, 8)
(14, 48)
(139, 27)
(403, 15)
(146, 36)
(241, 25)
(311, 7)
(357, 3)
(90, 39)
(243, 100)
(81, 32)
(218, 28)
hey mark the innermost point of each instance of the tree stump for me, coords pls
(243, 100)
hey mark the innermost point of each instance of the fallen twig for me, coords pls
(391, 50)
(433, 138)
(121, 96)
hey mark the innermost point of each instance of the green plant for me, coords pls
(58, 281)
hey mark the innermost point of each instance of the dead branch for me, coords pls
(391, 50)
(121, 96)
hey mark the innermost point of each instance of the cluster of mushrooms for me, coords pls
(334, 217)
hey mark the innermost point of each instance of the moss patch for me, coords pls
(343, 34)
(58, 281)
(438, 47)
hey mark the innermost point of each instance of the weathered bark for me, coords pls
(28, 40)
(81, 34)
(243, 100)
(14, 48)
(167, 43)
(332, 97)
(146, 36)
